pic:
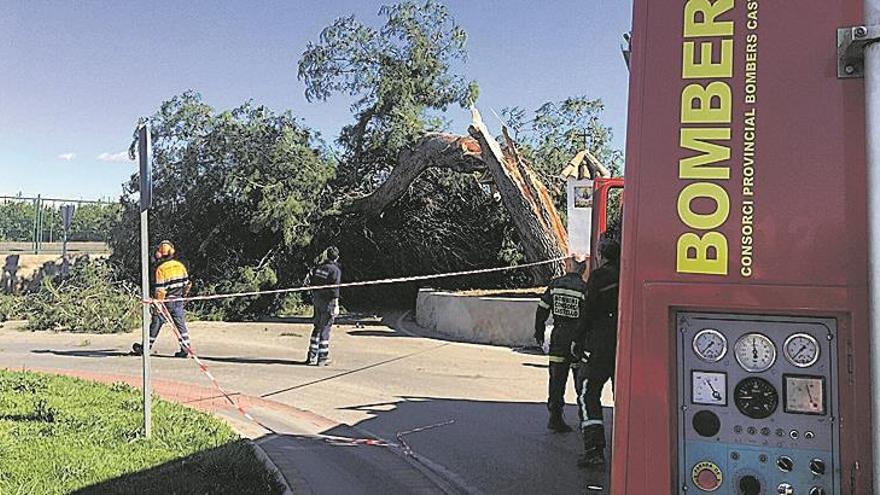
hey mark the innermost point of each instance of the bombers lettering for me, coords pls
(705, 133)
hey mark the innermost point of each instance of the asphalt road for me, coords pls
(484, 404)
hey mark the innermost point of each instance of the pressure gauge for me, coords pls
(709, 388)
(755, 352)
(710, 345)
(801, 350)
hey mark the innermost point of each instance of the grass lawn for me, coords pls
(64, 435)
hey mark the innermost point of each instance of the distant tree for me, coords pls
(17, 220)
(236, 191)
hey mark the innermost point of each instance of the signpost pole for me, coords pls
(66, 219)
(872, 138)
(144, 155)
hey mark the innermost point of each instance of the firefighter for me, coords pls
(564, 299)
(172, 281)
(326, 305)
(599, 349)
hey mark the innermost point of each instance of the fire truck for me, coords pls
(744, 343)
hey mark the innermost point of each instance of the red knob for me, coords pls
(707, 480)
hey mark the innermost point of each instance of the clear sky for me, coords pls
(76, 75)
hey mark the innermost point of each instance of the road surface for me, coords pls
(386, 379)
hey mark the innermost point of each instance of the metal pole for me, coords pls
(145, 323)
(36, 223)
(144, 150)
(872, 139)
(40, 225)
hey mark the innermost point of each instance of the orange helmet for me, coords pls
(165, 249)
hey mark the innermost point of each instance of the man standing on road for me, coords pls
(172, 282)
(564, 299)
(599, 349)
(326, 305)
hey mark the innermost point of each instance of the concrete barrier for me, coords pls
(506, 321)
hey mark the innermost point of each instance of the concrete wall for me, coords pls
(484, 320)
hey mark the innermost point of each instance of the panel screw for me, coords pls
(861, 32)
(849, 69)
(734, 455)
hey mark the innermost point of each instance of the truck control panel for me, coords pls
(757, 399)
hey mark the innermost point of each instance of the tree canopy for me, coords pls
(398, 74)
(236, 191)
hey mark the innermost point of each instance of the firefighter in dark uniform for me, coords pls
(326, 305)
(599, 349)
(564, 299)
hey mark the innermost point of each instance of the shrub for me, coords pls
(89, 299)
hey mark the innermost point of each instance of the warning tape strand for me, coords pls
(396, 280)
(163, 311)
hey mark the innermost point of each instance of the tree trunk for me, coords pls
(542, 235)
(540, 228)
(436, 149)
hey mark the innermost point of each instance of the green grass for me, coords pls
(63, 435)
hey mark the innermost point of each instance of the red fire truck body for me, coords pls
(744, 226)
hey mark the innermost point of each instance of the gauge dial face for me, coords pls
(755, 397)
(755, 352)
(709, 388)
(710, 345)
(801, 350)
(804, 394)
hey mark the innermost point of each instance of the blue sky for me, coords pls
(76, 75)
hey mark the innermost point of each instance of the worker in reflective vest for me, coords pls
(172, 282)
(564, 299)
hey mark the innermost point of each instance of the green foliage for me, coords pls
(11, 307)
(293, 304)
(89, 300)
(236, 192)
(403, 75)
(59, 435)
(398, 74)
(91, 222)
(17, 221)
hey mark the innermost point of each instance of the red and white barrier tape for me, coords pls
(385, 281)
(163, 311)
(406, 448)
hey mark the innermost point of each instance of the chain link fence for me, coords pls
(34, 225)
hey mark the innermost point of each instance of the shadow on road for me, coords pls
(375, 333)
(489, 447)
(247, 360)
(88, 353)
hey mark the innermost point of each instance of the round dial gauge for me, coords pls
(755, 397)
(755, 352)
(709, 345)
(801, 350)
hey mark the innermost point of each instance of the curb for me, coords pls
(271, 467)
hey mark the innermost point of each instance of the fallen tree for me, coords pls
(540, 228)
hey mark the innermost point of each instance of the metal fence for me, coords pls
(35, 224)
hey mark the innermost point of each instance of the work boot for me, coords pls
(325, 362)
(556, 423)
(593, 457)
(137, 349)
(181, 353)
